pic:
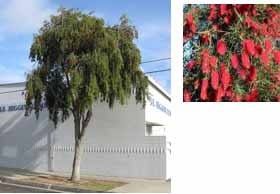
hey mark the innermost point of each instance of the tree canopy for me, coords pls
(79, 60)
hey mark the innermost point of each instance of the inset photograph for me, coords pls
(231, 53)
(85, 104)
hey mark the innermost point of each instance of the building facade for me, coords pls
(126, 141)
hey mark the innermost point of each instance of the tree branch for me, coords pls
(85, 122)
(236, 12)
(77, 128)
(68, 82)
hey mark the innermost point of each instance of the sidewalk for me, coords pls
(134, 185)
(148, 186)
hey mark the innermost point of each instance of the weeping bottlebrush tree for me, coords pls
(230, 53)
(80, 61)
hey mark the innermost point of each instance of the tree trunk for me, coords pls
(79, 144)
(79, 148)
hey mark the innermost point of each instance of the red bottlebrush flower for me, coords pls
(254, 12)
(229, 93)
(248, 98)
(234, 61)
(227, 20)
(264, 29)
(245, 60)
(225, 79)
(258, 49)
(223, 67)
(205, 38)
(205, 61)
(249, 47)
(265, 58)
(189, 26)
(219, 94)
(212, 14)
(268, 45)
(215, 79)
(213, 6)
(242, 73)
(205, 53)
(213, 61)
(276, 54)
(187, 96)
(204, 87)
(190, 35)
(244, 8)
(252, 96)
(205, 66)
(223, 9)
(221, 47)
(189, 18)
(254, 26)
(191, 64)
(193, 28)
(253, 73)
(247, 21)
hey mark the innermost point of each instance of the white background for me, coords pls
(221, 147)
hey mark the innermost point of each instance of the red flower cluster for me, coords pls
(235, 67)
(221, 11)
(191, 64)
(204, 87)
(221, 47)
(205, 38)
(245, 60)
(234, 61)
(187, 96)
(215, 79)
(268, 27)
(248, 22)
(189, 27)
(213, 61)
(220, 80)
(205, 61)
(253, 95)
(276, 54)
(249, 47)
(225, 77)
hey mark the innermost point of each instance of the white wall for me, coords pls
(157, 112)
(22, 139)
(115, 145)
(158, 109)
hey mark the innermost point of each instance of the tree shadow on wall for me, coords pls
(25, 143)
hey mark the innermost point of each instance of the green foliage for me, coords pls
(81, 61)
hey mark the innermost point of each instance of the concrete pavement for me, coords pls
(147, 186)
(133, 186)
(12, 188)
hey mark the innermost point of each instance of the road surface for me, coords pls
(11, 188)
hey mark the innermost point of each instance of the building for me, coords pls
(126, 141)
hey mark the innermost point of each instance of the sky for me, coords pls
(20, 20)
